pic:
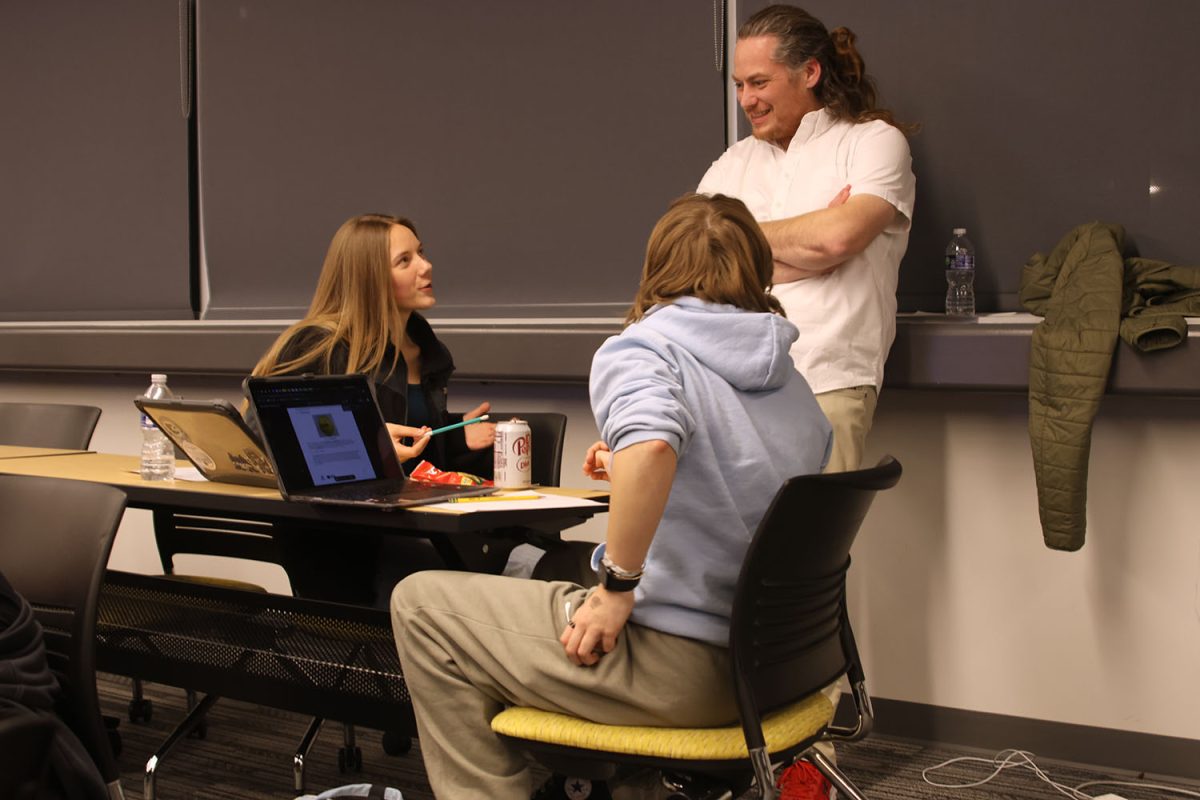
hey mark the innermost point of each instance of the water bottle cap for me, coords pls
(960, 231)
(158, 377)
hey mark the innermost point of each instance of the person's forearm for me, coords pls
(641, 478)
(786, 273)
(809, 244)
(820, 241)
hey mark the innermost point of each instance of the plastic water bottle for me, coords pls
(960, 275)
(158, 454)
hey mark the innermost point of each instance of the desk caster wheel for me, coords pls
(349, 759)
(396, 744)
(141, 710)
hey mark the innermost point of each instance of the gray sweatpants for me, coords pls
(471, 644)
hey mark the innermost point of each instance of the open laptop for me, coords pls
(329, 444)
(213, 436)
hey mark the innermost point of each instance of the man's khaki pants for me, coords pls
(850, 412)
(472, 644)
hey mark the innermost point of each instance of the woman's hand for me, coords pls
(593, 630)
(595, 463)
(401, 432)
(481, 435)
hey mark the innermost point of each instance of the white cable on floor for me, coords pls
(1009, 759)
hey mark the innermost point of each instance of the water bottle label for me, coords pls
(960, 261)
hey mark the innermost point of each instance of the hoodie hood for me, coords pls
(749, 349)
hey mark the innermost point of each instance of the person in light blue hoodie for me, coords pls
(702, 417)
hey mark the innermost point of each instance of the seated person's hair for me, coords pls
(708, 247)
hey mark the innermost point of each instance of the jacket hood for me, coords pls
(748, 349)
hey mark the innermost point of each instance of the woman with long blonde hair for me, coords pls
(366, 317)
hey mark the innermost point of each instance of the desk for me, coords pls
(17, 451)
(262, 503)
(326, 659)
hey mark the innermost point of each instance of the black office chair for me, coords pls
(55, 538)
(790, 636)
(66, 427)
(195, 534)
(24, 756)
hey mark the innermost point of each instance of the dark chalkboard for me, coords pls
(93, 161)
(534, 143)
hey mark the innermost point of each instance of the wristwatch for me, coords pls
(615, 579)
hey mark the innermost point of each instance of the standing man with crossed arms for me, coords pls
(828, 176)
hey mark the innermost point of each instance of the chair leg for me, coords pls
(194, 717)
(350, 754)
(835, 775)
(306, 744)
(764, 773)
(140, 709)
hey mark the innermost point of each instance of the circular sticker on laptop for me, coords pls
(200, 458)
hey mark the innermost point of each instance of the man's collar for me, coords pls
(812, 125)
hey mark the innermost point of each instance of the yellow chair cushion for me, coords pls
(224, 583)
(783, 728)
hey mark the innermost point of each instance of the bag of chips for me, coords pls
(428, 473)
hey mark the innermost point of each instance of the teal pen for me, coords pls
(455, 426)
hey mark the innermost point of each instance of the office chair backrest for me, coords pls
(548, 430)
(24, 756)
(55, 539)
(191, 534)
(788, 623)
(66, 427)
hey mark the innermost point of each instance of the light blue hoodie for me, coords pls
(717, 384)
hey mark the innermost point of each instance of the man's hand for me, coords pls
(840, 198)
(481, 435)
(595, 463)
(401, 432)
(593, 630)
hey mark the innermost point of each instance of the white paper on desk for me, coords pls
(542, 501)
(189, 474)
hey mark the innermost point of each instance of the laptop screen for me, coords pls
(323, 430)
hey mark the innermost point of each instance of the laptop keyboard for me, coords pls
(411, 491)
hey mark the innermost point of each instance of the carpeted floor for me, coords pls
(247, 755)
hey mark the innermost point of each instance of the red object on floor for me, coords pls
(803, 781)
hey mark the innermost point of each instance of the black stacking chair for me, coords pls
(195, 534)
(790, 637)
(24, 757)
(55, 538)
(67, 427)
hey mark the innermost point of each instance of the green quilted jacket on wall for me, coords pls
(1089, 293)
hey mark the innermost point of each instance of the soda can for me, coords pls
(513, 455)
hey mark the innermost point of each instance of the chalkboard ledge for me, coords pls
(989, 353)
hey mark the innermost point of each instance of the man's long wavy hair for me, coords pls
(844, 87)
(354, 304)
(708, 247)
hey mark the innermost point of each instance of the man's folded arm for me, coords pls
(820, 241)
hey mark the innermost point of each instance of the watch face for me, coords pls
(614, 584)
